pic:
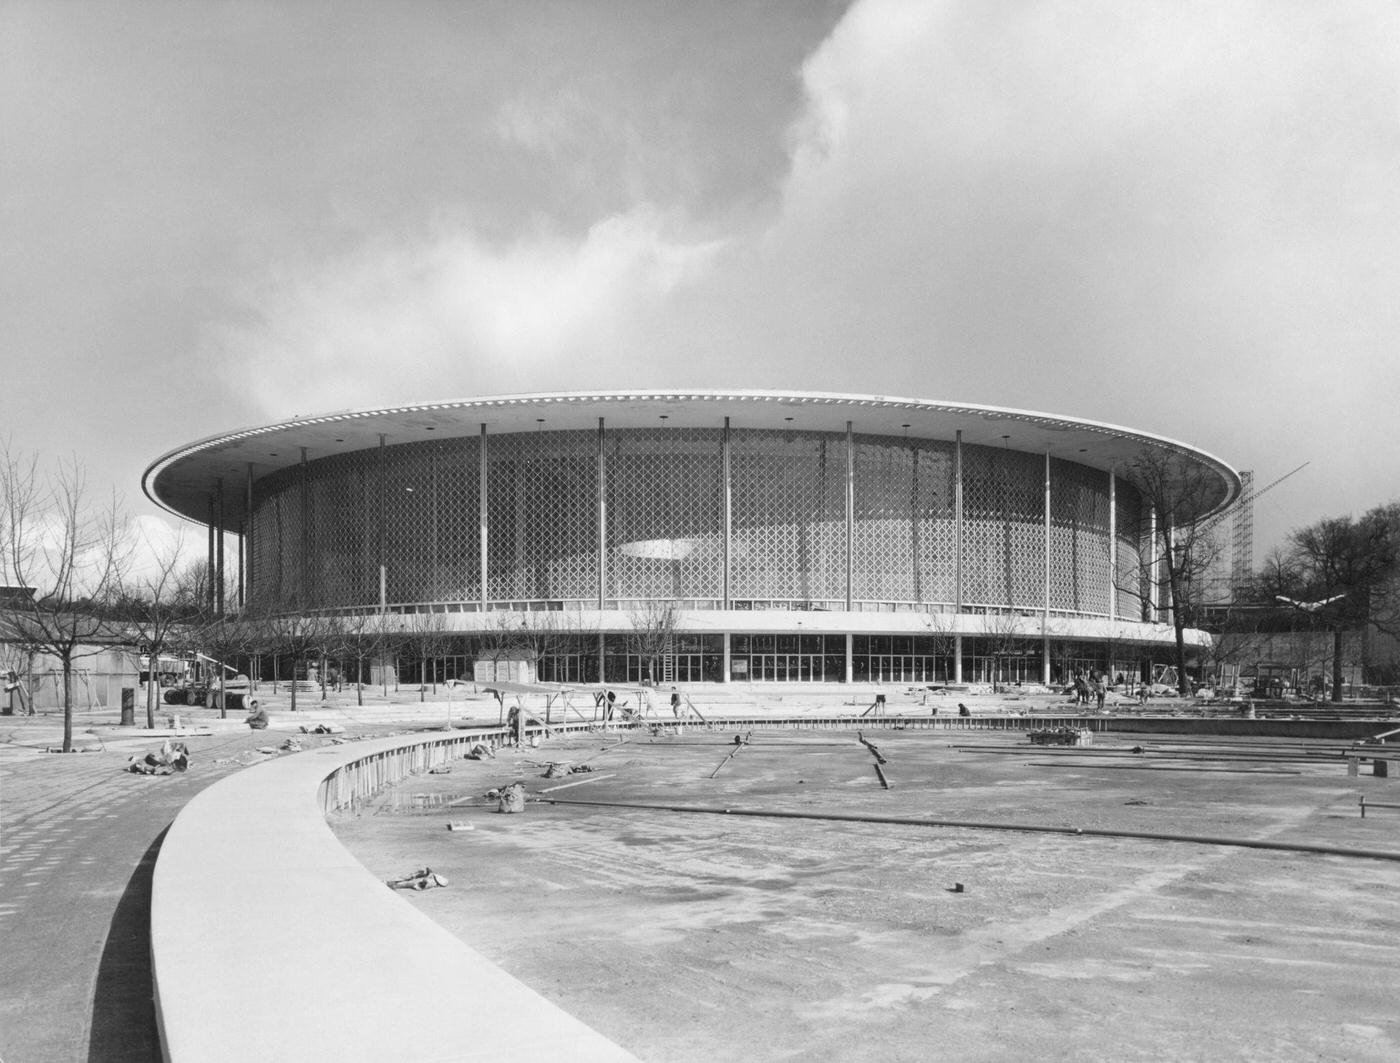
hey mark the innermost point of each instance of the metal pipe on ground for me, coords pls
(739, 743)
(1023, 828)
(1153, 767)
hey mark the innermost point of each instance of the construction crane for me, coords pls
(1242, 529)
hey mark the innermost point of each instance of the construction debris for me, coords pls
(422, 879)
(559, 768)
(1061, 736)
(740, 741)
(874, 750)
(511, 798)
(323, 729)
(479, 751)
(172, 757)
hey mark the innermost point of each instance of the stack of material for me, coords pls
(1061, 736)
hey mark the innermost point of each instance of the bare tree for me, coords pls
(426, 643)
(1005, 638)
(506, 637)
(69, 552)
(295, 634)
(1234, 636)
(552, 634)
(1341, 575)
(360, 638)
(158, 606)
(940, 629)
(1177, 559)
(654, 625)
(222, 638)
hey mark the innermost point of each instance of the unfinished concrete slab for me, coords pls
(684, 932)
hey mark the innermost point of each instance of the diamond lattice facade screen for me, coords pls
(640, 514)
(835, 509)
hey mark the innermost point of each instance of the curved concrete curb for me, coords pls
(271, 942)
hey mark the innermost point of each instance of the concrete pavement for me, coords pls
(78, 840)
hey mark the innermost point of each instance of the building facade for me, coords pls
(796, 537)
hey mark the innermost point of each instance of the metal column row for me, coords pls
(218, 529)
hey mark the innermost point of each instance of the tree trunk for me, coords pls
(67, 704)
(1183, 683)
(152, 692)
(1337, 663)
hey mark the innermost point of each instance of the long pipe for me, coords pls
(906, 821)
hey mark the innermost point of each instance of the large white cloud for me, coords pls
(453, 311)
(1155, 213)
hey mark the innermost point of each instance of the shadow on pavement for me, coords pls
(123, 1007)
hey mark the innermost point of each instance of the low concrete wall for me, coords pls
(1339, 730)
(270, 941)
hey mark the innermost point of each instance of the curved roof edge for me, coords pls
(183, 480)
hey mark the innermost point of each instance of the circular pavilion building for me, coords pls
(708, 536)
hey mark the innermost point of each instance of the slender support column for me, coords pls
(1112, 545)
(915, 554)
(725, 677)
(602, 543)
(308, 591)
(850, 658)
(850, 523)
(248, 540)
(483, 520)
(728, 470)
(1152, 567)
(958, 525)
(1166, 604)
(210, 573)
(1045, 627)
(602, 518)
(437, 588)
(958, 553)
(219, 549)
(382, 531)
(242, 566)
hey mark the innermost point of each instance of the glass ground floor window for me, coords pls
(691, 659)
(771, 658)
(787, 658)
(902, 659)
(574, 666)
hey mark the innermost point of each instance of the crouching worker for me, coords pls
(257, 719)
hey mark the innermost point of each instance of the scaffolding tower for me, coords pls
(1242, 535)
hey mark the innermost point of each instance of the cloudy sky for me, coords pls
(1180, 217)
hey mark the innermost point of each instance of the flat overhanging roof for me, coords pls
(183, 480)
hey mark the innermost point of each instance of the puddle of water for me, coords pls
(406, 804)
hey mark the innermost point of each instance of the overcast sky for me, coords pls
(1180, 217)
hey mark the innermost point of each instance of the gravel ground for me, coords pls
(687, 936)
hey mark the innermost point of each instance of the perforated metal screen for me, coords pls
(316, 542)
